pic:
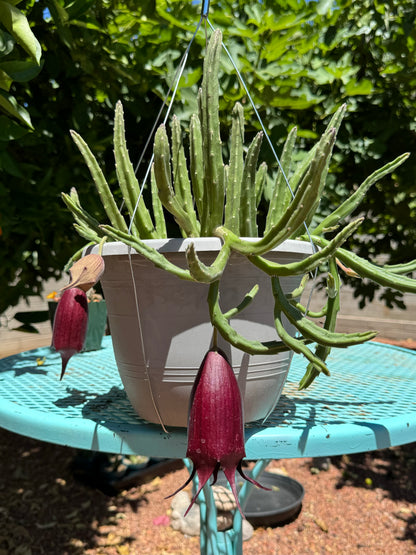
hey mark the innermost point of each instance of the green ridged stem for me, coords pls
(86, 232)
(148, 252)
(244, 303)
(347, 207)
(322, 182)
(248, 201)
(235, 172)
(294, 344)
(366, 269)
(405, 268)
(301, 167)
(157, 207)
(213, 208)
(309, 263)
(196, 162)
(81, 216)
(181, 182)
(312, 331)
(142, 224)
(310, 313)
(260, 182)
(101, 184)
(220, 322)
(203, 273)
(163, 177)
(280, 196)
(332, 309)
(226, 175)
(296, 293)
(295, 214)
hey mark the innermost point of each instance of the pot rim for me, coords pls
(202, 244)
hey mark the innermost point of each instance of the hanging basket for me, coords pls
(160, 327)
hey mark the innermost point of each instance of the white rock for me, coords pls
(190, 525)
(247, 530)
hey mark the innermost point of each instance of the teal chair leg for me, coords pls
(212, 541)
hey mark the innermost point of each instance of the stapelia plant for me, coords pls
(208, 197)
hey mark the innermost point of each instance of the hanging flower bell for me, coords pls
(70, 324)
(216, 425)
(71, 316)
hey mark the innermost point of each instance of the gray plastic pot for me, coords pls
(159, 346)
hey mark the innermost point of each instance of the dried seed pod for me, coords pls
(85, 272)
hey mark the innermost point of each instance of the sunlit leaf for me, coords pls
(18, 26)
(354, 88)
(9, 105)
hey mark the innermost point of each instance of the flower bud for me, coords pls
(70, 324)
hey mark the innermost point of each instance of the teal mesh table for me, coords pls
(368, 403)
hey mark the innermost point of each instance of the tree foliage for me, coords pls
(301, 61)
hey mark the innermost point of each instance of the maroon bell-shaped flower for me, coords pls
(70, 324)
(216, 425)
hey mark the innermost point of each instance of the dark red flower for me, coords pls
(70, 324)
(216, 425)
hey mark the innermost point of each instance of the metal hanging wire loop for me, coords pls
(173, 91)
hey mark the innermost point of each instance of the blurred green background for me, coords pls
(64, 65)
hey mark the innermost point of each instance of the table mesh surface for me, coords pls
(371, 382)
(91, 387)
(368, 381)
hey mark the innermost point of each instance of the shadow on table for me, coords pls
(305, 413)
(27, 363)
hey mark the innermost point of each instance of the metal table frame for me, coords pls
(369, 403)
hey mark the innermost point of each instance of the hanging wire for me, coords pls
(266, 134)
(173, 90)
(314, 274)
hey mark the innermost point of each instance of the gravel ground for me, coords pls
(364, 504)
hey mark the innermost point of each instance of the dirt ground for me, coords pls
(362, 505)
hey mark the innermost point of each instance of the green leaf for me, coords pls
(10, 130)
(354, 87)
(9, 105)
(6, 43)
(324, 6)
(18, 26)
(21, 71)
(5, 80)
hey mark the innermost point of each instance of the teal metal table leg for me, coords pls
(213, 541)
(258, 468)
